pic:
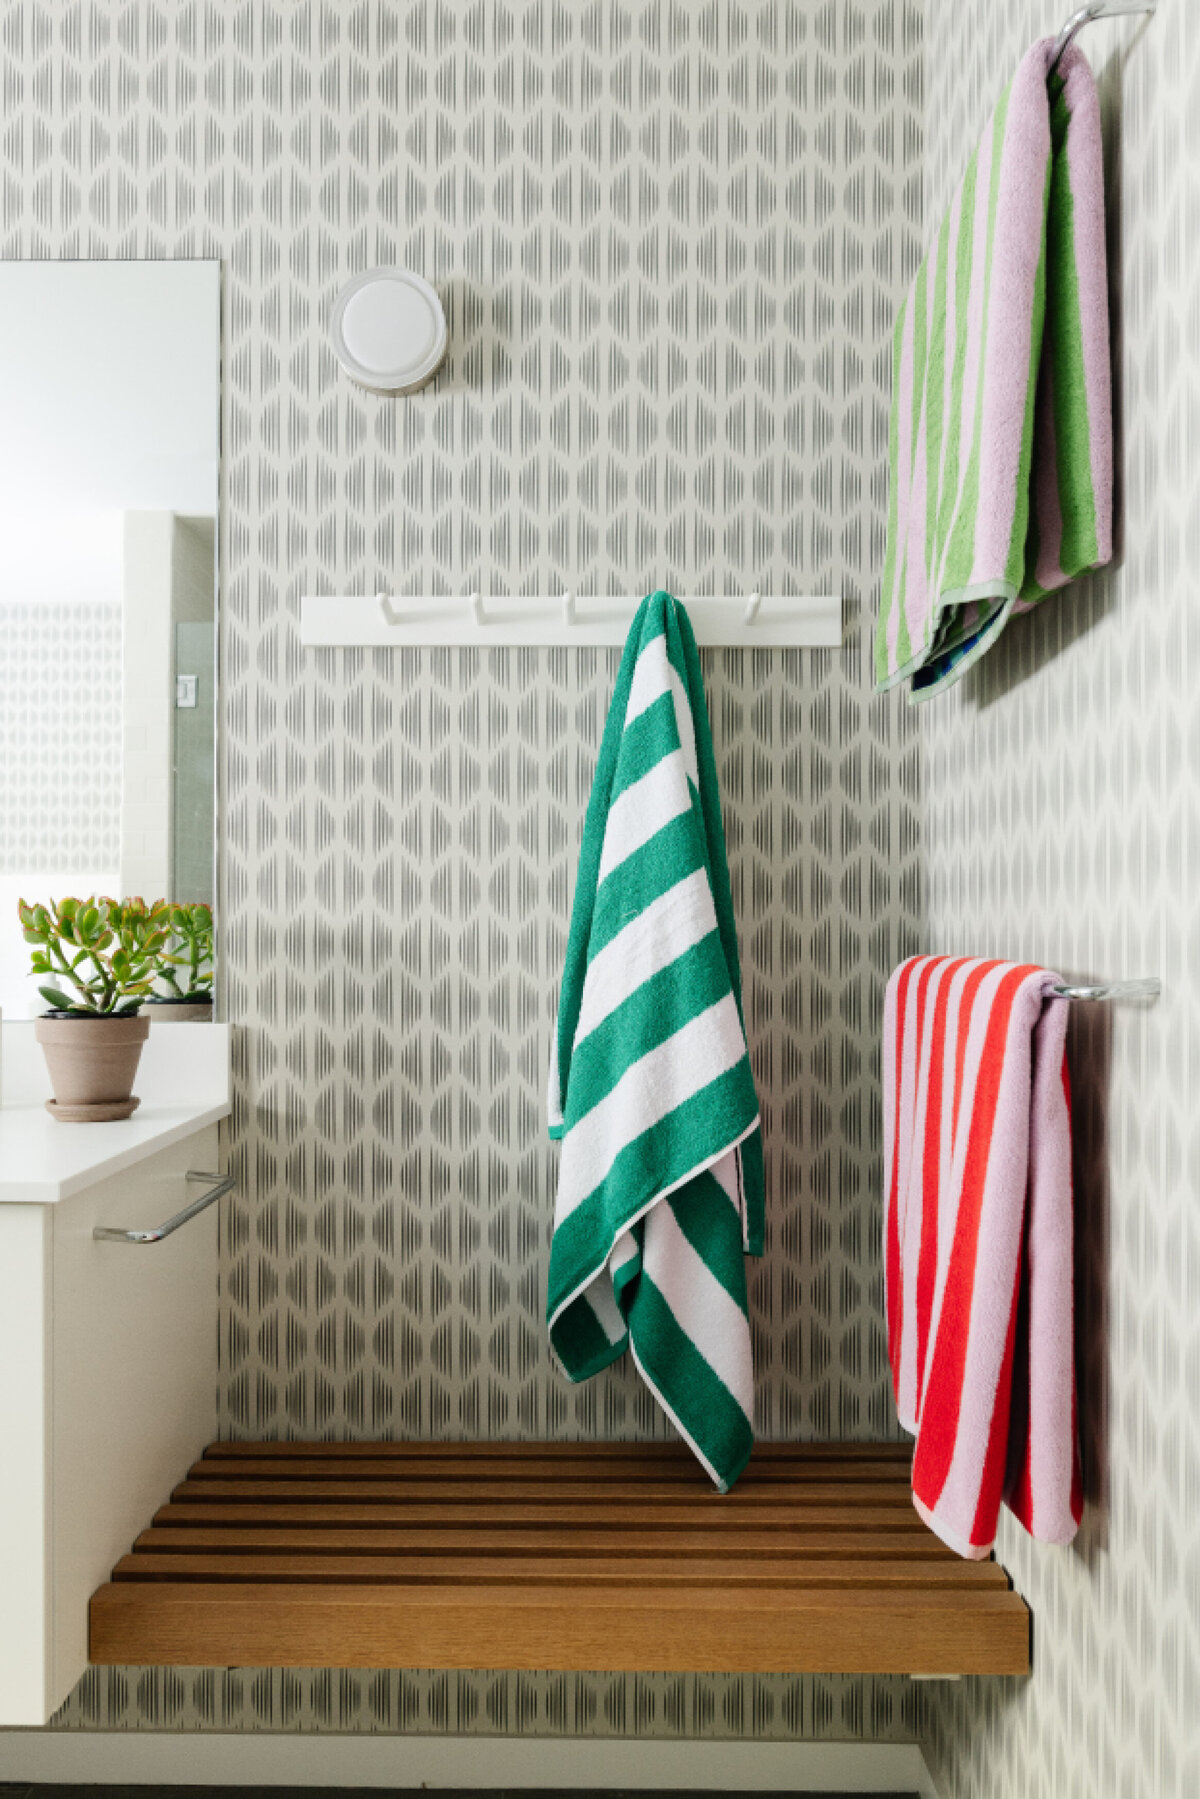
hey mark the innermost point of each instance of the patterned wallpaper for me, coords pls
(670, 239)
(60, 737)
(485, 1702)
(1061, 824)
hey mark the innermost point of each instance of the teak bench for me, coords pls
(590, 1556)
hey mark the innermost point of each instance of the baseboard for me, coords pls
(207, 1758)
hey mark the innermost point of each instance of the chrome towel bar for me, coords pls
(108, 1233)
(1150, 988)
(1087, 15)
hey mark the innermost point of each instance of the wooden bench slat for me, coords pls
(529, 1517)
(647, 1629)
(496, 1472)
(644, 1592)
(499, 1570)
(580, 1542)
(565, 1492)
(590, 1451)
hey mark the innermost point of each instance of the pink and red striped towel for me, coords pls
(979, 1246)
(1001, 452)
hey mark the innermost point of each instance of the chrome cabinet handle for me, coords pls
(108, 1233)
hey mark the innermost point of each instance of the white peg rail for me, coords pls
(563, 621)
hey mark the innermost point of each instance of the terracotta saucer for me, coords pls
(104, 1112)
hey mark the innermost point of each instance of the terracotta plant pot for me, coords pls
(92, 1064)
(181, 1011)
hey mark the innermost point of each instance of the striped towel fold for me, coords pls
(979, 1246)
(1001, 449)
(660, 1187)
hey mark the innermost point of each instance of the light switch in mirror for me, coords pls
(109, 453)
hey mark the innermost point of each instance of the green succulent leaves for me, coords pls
(102, 956)
(186, 965)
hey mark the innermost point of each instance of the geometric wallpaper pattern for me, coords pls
(670, 241)
(386, 1274)
(1062, 823)
(60, 737)
(487, 1702)
(668, 253)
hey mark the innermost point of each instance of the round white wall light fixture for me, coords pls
(389, 330)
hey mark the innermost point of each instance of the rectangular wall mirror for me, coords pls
(108, 585)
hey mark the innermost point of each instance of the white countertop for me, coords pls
(183, 1083)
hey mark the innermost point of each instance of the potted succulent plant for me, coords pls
(100, 957)
(185, 965)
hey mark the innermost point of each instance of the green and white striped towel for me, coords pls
(660, 1188)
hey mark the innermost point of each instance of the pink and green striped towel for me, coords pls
(1001, 427)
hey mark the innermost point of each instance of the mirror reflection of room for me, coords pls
(108, 471)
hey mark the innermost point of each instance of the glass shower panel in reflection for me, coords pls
(194, 766)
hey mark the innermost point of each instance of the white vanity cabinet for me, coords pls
(108, 1348)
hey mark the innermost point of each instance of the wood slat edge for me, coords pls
(660, 1517)
(582, 1493)
(503, 1570)
(498, 1471)
(570, 1628)
(824, 1451)
(580, 1543)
